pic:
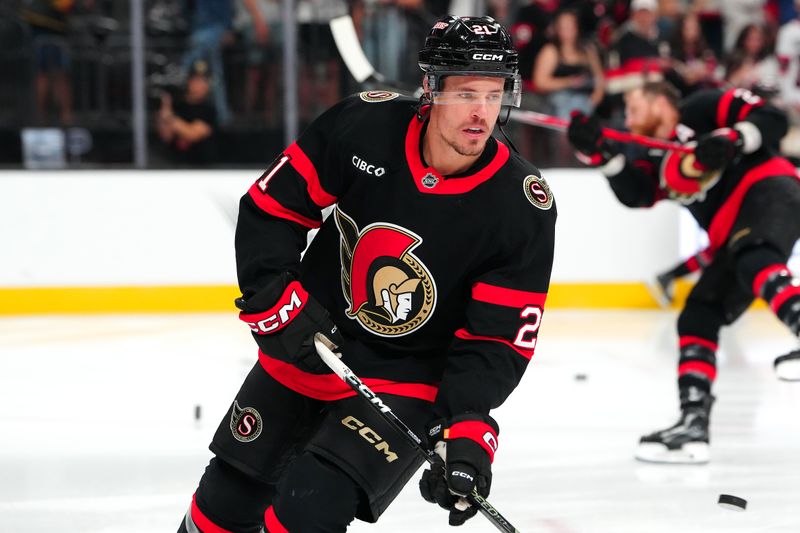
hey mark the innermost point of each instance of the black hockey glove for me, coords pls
(586, 135)
(718, 148)
(466, 446)
(285, 330)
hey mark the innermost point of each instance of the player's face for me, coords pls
(640, 113)
(467, 120)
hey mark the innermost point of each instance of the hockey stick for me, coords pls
(346, 39)
(325, 352)
(554, 123)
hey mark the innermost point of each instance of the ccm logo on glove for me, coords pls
(289, 305)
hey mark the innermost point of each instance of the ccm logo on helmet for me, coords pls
(363, 166)
(487, 57)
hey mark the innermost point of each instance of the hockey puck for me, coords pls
(733, 503)
(580, 377)
(197, 412)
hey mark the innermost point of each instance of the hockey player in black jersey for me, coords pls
(748, 200)
(430, 275)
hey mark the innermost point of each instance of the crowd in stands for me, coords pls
(574, 54)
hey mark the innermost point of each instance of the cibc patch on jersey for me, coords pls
(378, 96)
(390, 291)
(537, 191)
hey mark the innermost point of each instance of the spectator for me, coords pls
(694, 64)
(751, 64)
(384, 36)
(188, 126)
(529, 34)
(636, 55)
(568, 69)
(48, 21)
(710, 15)
(669, 13)
(260, 25)
(788, 53)
(736, 14)
(211, 20)
(320, 76)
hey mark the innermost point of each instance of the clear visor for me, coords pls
(510, 96)
(497, 98)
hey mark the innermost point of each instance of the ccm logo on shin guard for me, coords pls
(369, 435)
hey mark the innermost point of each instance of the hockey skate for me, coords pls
(686, 442)
(663, 289)
(787, 367)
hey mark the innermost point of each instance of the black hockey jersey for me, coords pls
(438, 283)
(713, 198)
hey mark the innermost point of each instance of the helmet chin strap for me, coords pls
(502, 122)
(424, 105)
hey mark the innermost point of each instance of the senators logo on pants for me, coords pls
(246, 423)
(390, 292)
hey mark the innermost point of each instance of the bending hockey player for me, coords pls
(430, 275)
(748, 200)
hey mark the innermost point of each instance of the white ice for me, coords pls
(98, 435)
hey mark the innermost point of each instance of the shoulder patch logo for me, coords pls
(537, 191)
(378, 96)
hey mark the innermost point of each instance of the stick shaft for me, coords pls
(354, 382)
(555, 123)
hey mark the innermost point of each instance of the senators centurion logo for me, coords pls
(683, 181)
(378, 96)
(246, 424)
(388, 289)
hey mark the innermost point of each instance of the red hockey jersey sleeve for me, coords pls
(285, 202)
(490, 353)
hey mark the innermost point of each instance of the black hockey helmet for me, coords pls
(471, 46)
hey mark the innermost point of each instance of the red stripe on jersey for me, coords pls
(762, 276)
(440, 185)
(745, 110)
(686, 340)
(303, 165)
(723, 108)
(698, 367)
(202, 521)
(779, 299)
(271, 521)
(467, 336)
(329, 387)
(474, 430)
(723, 220)
(492, 294)
(269, 205)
